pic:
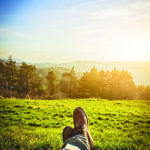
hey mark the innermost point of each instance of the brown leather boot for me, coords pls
(81, 125)
(67, 133)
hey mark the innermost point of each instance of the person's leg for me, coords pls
(77, 142)
(78, 138)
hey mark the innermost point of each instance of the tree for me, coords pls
(11, 74)
(115, 94)
(147, 93)
(2, 72)
(94, 82)
(73, 84)
(108, 85)
(3, 81)
(89, 84)
(29, 80)
(69, 84)
(143, 92)
(83, 89)
(101, 82)
(127, 87)
(52, 79)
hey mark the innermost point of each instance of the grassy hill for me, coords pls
(38, 124)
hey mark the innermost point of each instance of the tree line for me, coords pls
(24, 81)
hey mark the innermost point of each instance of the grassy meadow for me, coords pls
(38, 124)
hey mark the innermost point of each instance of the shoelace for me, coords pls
(80, 130)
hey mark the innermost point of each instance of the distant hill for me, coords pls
(139, 70)
(58, 70)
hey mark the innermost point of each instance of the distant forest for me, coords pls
(26, 81)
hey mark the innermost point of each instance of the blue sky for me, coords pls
(65, 30)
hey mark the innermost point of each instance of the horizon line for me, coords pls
(78, 60)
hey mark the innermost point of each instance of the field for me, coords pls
(38, 124)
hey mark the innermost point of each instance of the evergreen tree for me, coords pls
(69, 84)
(83, 89)
(2, 72)
(94, 82)
(65, 84)
(108, 85)
(73, 84)
(52, 79)
(29, 80)
(127, 86)
(101, 83)
(11, 74)
(115, 94)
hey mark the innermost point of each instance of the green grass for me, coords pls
(38, 124)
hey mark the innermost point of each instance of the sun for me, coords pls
(135, 49)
